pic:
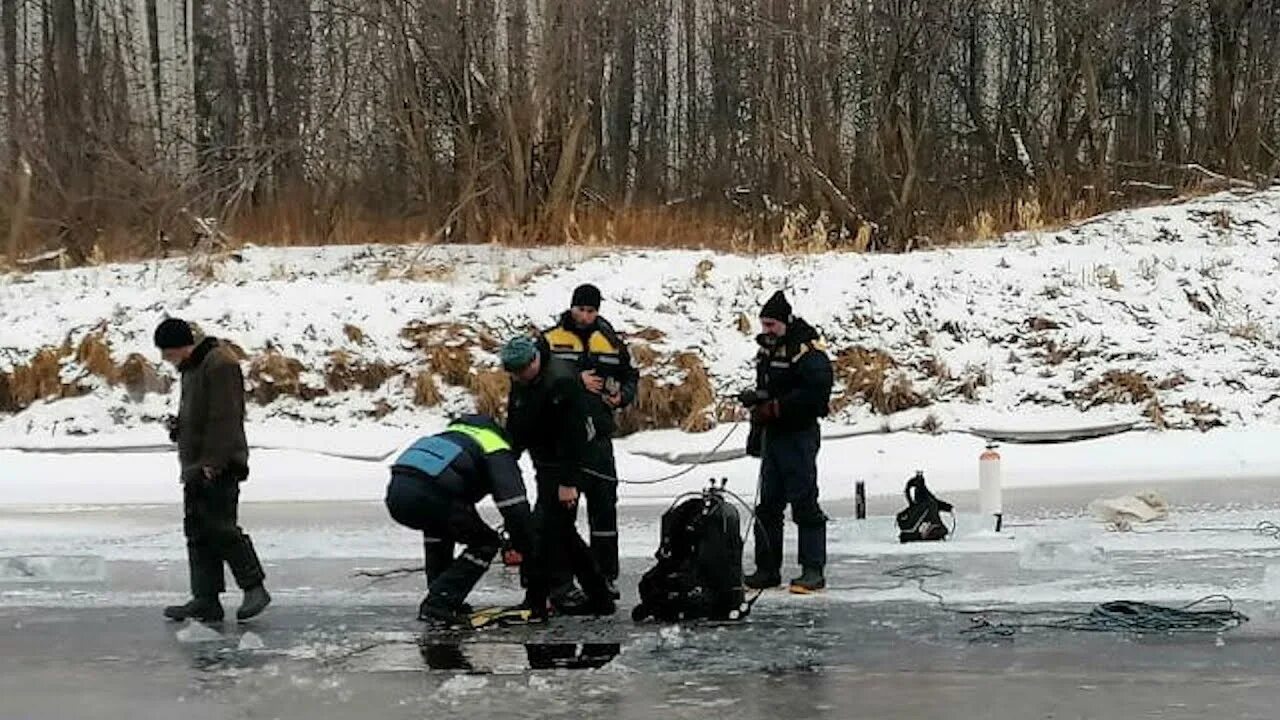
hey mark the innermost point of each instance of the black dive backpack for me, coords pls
(922, 519)
(699, 570)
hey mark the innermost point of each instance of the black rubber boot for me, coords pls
(612, 587)
(810, 581)
(601, 606)
(204, 609)
(256, 599)
(761, 580)
(570, 601)
(439, 615)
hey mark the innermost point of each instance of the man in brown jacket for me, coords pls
(214, 456)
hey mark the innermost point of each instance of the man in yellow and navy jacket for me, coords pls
(590, 343)
(793, 389)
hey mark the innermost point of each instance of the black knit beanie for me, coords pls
(587, 295)
(174, 333)
(777, 308)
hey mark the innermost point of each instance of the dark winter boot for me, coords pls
(612, 587)
(438, 615)
(601, 606)
(761, 580)
(570, 601)
(204, 609)
(810, 581)
(256, 599)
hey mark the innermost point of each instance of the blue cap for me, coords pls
(518, 353)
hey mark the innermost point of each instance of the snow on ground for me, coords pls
(1182, 294)
(882, 461)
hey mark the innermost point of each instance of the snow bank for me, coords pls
(1182, 296)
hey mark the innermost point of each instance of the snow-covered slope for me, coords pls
(1166, 315)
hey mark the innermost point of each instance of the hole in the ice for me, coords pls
(495, 657)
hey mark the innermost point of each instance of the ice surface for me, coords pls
(251, 641)
(196, 632)
(52, 569)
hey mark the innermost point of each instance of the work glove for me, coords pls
(766, 412)
(199, 474)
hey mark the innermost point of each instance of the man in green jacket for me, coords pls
(214, 457)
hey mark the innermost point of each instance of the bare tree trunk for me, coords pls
(517, 112)
(217, 92)
(1181, 48)
(153, 42)
(290, 48)
(64, 115)
(9, 49)
(692, 129)
(623, 96)
(256, 66)
(1225, 17)
(1145, 92)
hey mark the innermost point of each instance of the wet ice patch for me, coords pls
(1271, 582)
(462, 685)
(52, 569)
(1063, 550)
(194, 632)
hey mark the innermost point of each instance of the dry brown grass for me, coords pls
(345, 372)
(427, 336)
(1175, 380)
(304, 218)
(972, 380)
(1204, 416)
(642, 354)
(873, 377)
(415, 271)
(42, 377)
(744, 324)
(1154, 412)
(664, 226)
(273, 375)
(425, 391)
(688, 403)
(1117, 387)
(381, 408)
(648, 334)
(146, 217)
(936, 368)
(140, 377)
(1054, 353)
(931, 424)
(1250, 331)
(491, 388)
(702, 273)
(730, 410)
(36, 380)
(1040, 324)
(94, 355)
(354, 334)
(452, 364)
